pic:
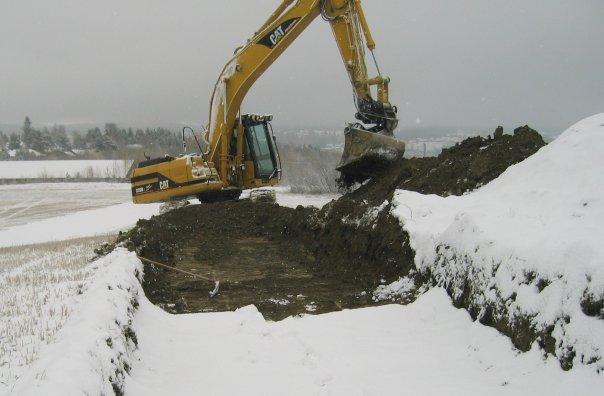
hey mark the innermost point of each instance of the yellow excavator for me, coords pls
(239, 151)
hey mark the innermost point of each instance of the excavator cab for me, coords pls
(262, 163)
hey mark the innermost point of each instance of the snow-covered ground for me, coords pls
(40, 284)
(428, 347)
(38, 289)
(25, 203)
(64, 169)
(93, 348)
(530, 243)
(85, 223)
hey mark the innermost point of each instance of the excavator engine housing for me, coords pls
(253, 161)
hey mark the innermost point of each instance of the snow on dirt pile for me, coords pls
(524, 253)
(92, 352)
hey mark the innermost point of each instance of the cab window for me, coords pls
(260, 144)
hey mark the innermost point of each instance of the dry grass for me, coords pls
(39, 286)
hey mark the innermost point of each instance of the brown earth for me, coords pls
(291, 261)
(251, 249)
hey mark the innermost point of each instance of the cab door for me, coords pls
(260, 148)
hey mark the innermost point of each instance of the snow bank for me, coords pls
(64, 169)
(527, 246)
(93, 350)
(80, 224)
(426, 348)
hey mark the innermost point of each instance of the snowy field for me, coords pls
(40, 283)
(25, 203)
(64, 169)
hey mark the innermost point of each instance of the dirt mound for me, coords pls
(358, 233)
(471, 163)
(289, 261)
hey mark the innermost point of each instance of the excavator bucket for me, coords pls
(366, 153)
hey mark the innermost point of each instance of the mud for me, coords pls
(304, 260)
(260, 252)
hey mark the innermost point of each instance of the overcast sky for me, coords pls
(453, 63)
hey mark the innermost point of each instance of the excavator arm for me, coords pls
(241, 151)
(349, 26)
(280, 30)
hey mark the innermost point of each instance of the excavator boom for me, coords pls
(241, 151)
(285, 24)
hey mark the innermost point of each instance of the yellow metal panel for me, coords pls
(167, 195)
(180, 170)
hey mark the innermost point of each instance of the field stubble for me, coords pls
(39, 285)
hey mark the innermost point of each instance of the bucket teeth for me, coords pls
(366, 153)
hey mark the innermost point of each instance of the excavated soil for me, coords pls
(251, 248)
(304, 260)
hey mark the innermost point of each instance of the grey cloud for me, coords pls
(452, 63)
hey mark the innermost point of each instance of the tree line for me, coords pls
(306, 168)
(108, 142)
